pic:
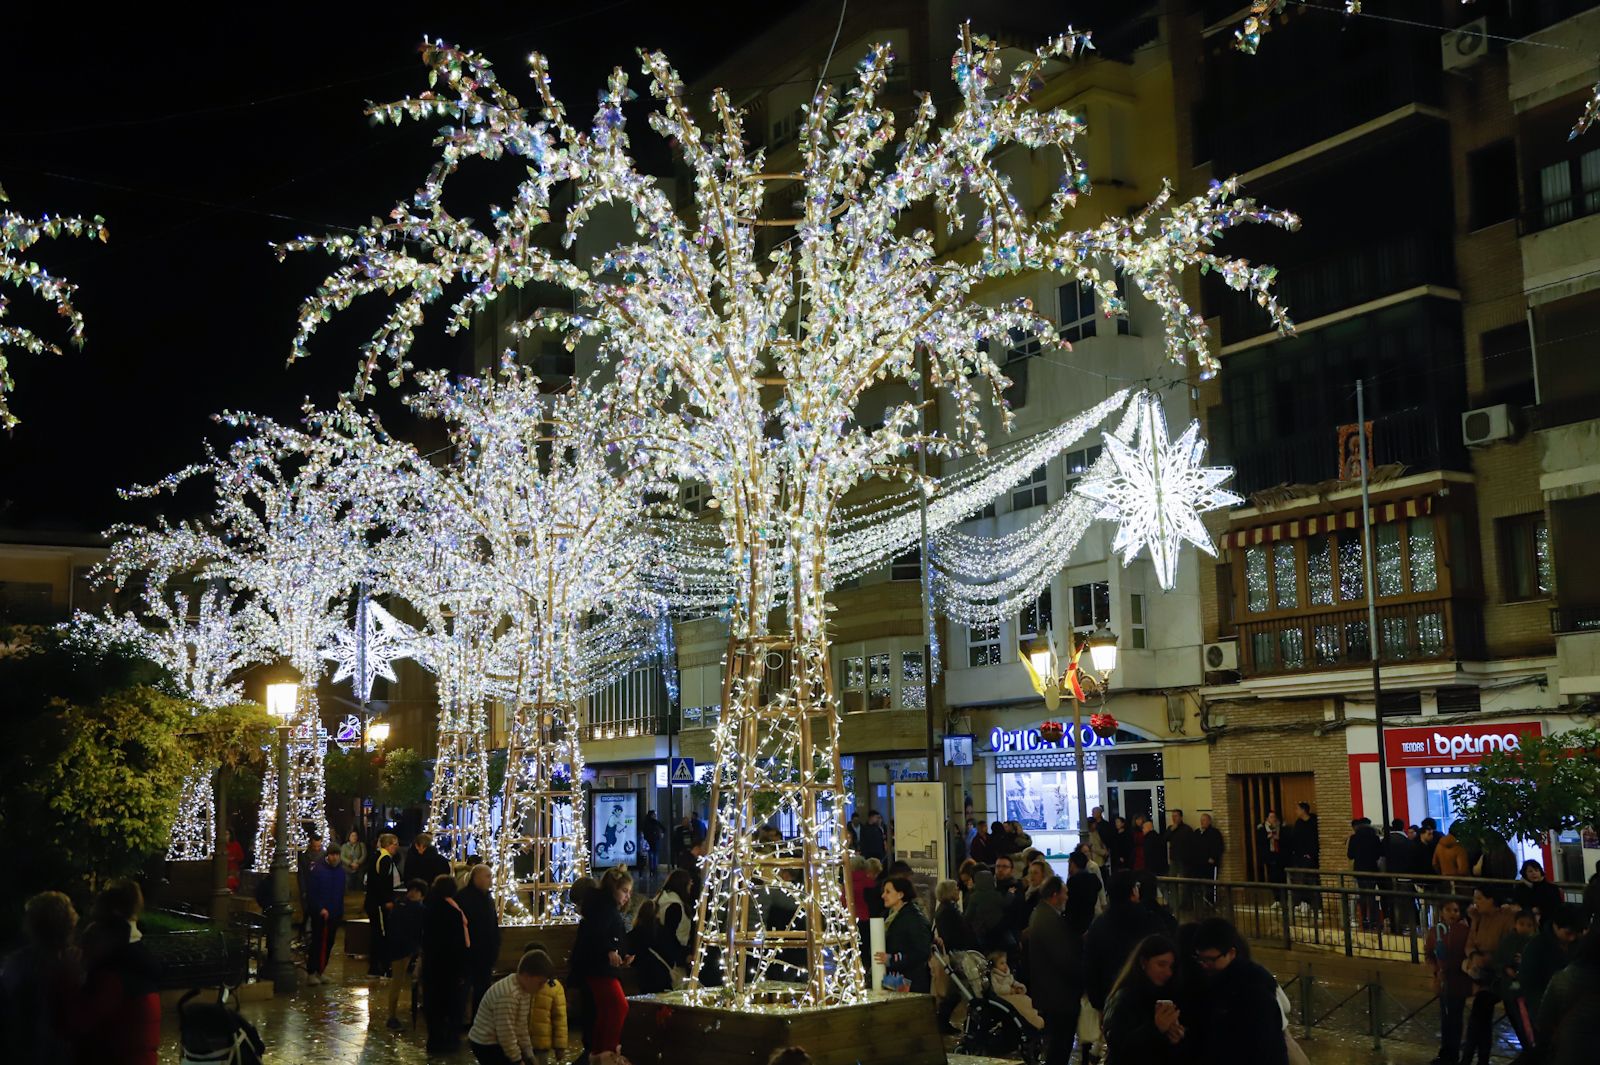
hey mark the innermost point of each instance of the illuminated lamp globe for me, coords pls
(1102, 645)
(282, 697)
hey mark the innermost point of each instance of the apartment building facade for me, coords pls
(1416, 164)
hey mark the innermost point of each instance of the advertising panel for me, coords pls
(1434, 746)
(613, 829)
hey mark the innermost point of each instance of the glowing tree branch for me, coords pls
(18, 235)
(745, 368)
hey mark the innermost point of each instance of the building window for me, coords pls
(853, 690)
(1424, 557)
(1021, 345)
(1031, 492)
(692, 496)
(913, 695)
(1255, 580)
(1036, 616)
(1319, 570)
(1285, 578)
(1352, 582)
(1077, 464)
(1091, 605)
(1390, 571)
(1138, 637)
(880, 685)
(1507, 366)
(1525, 556)
(1569, 188)
(1078, 312)
(985, 511)
(908, 567)
(983, 645)
(1492, 184)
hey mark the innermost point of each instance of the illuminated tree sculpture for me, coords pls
(527, 554)
(280, 533)
(744, 365)
(18, 235)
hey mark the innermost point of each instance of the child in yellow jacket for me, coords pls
(547, 1022)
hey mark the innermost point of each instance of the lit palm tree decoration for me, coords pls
(743, 367)
(18, 235)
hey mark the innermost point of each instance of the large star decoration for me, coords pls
(1158, 490)
(368, 649)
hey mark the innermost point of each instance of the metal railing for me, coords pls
(1414, 631)
(1381, 916)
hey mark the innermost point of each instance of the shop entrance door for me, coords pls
(1130, 800)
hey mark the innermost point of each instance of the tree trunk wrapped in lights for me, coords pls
(742, 364)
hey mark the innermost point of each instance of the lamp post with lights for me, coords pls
(283, 698)
(1050, 681)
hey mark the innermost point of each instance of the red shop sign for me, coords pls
(1451, 745)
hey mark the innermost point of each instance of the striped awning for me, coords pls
(1325, 523)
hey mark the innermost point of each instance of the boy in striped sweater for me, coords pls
(499, 1034)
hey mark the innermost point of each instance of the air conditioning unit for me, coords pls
(1482, 427)
(1220, 657)
(1461, 48)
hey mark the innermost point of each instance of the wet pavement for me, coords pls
(332, 1025)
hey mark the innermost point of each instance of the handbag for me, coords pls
(675, 975)
(1088, 1022)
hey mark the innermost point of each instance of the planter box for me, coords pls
(891, 1028)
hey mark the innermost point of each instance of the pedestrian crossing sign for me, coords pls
(682, 774)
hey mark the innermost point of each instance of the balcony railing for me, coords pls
(1410, 436)
(1429, 630)
(1570, 619)
(639, 725)
(1344, 279)
(1543, 216)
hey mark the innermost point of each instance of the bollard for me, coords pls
(1375, 1007)
(1307, 984)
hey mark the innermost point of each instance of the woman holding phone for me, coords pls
(1141, 1020)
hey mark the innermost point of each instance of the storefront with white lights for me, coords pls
(1033, 780)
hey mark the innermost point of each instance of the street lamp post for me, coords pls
(1041, 664)
(282, 700)
(377, 736)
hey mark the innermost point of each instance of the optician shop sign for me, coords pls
(1449, 745)
(1017, 740)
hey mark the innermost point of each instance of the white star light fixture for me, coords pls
(1159, 490)
(368, 649)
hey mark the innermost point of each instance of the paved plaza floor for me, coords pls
(333, 1025)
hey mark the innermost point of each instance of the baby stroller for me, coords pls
(213, 1033)
(993, 1028)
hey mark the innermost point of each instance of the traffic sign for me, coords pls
(682, 773)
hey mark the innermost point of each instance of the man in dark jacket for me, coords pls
(985, 911)
(1305, 852)
(1156, 862)
(870, 841)
(1112, 937)
(1055, 967)
(1184, 860)
(1399, 856)
(1083, 892)
(1208, 851)
(1365, 850)
(324, 913)
(1242, 1022)
(422, 862)
(1422, 854)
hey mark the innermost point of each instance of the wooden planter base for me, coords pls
(892, 1028)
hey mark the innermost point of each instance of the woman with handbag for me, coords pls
(653, 970)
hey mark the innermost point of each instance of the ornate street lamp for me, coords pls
(283, 698)
(1040, 660)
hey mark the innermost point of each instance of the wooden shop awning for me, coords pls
(1296, 528)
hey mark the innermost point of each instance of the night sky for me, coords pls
(202, 140)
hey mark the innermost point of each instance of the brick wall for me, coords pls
(1242, 749)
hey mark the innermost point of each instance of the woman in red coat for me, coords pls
(119, 1013)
